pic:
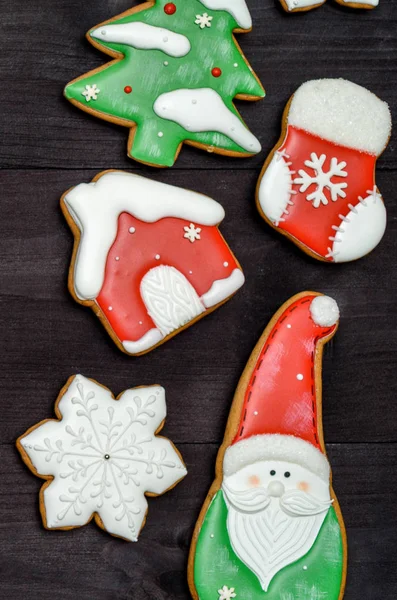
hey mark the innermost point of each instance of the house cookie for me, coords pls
(305, 5)
(176, 71)
(148, 257)
(271, 527)
(317, 186)
(102, 457)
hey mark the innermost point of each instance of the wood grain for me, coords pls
(48, 146)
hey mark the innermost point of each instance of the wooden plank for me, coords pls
(47, 336)
(87, 563)
(47, 49)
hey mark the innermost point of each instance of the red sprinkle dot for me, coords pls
(128, 89)
(216, 72)
(170, 8)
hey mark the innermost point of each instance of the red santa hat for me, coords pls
(280, 419)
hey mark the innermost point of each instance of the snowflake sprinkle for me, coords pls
(226, 593)
(322, 179)
(103, 456)
(203, 20)
(192, 232)
(91, 92)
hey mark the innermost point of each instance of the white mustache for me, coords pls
(294, 502)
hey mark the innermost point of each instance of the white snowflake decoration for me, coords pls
(322, 179)
(226, 593)
(103, 456)
(203, 20)
(192, 233)
(91, 92)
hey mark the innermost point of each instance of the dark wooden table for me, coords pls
(47, 146)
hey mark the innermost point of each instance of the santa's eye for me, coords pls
(287, 474)
(272, 473)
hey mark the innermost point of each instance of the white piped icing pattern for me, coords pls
(144, 37)
(104, 455)
(342, 112)
(202, 109)
(237, 8)
(324, 311)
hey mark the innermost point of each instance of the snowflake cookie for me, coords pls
(101, 457)
(318, 185)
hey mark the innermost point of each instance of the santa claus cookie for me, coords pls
(271, 528)
(177, 70)
(148, 257)
(304, 5)
(101, 457)
(317, 186)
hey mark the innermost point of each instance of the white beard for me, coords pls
(269, 539)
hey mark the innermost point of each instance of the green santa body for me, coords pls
(271, 528)
(177, 72)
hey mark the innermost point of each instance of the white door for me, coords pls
(170, 299)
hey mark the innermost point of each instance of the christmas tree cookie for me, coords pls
(101, 457)
(178, 68)
(317, 186)
(148, 257)
(271, 527)
(305, 5)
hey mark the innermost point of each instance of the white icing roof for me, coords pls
(342, 112)
(95, 208)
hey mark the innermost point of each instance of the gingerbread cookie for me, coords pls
(305, 5)
(102, 457)
(178, 68)
(317, 186)
(271, 526)
(148, 257)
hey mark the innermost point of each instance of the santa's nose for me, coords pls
(275, 488)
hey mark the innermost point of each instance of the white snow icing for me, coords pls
(203, 109)
(324, 311)
(104, 455)
(322, 179)
(144, 37)
(237, 8)
(95, 208)
(342, 112)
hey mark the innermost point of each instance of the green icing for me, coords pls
(216, 564)
(146, 73)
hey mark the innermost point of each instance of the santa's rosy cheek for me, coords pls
(303, 486)
(254, 481)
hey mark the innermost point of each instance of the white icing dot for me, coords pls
(289, 326)
(305, 568)
(235, 65)
(225, 264)
(117, 258)
(140, 322)
(160, 134)
(190, 272)
(157, 257)
(212, 535)
(166, 63)
(165, 39)
(132, 230)
(299, 376)
(255, 412)
(110, 307)
(103, 32)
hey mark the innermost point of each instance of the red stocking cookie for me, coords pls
(271, 527)
(304, 5)
(149, 258)
(318, 187)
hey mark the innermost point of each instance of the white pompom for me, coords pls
(324, 311)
